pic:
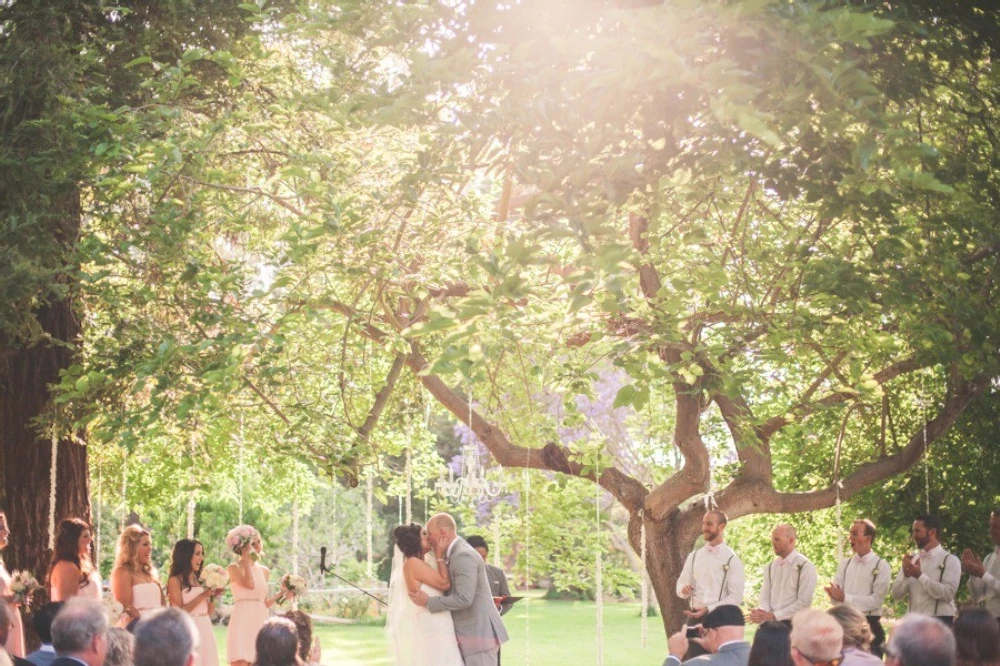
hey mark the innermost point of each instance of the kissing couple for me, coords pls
(441, 610)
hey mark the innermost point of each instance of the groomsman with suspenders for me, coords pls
(863, 580)
(984, 575)
(930, 578)
(789, 581)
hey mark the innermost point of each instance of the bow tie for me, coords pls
(712, 549)
(858, 559)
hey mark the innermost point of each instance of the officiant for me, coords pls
(495, 575)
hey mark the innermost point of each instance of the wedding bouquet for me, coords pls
(240, 538)
(295, 585)
(22, 586)
(214, 577)
(113, 608)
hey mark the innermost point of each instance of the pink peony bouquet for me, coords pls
(22, 586)
(240, 538)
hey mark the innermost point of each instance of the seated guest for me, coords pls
(120, 646)
(6, 626)
(919, 640)
(722, 631)
(771, 645)
(166, 637)
(857, 636)
(309, 651)
(278, 643)
(816, 639)
(80, 633)
(977, 638)
(42, 624)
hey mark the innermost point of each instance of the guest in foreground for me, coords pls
(166, 637)
(133, 581)
(42, 624)
(919, 640)
(977, 638)
(722, 635)
(80, 633)
(863, 580)
(72, 572)
(816, 639)
(185, 591)
(309, 650)
(278, 643)
(857, 636)
(7, 659)
(771, 645)
(121, 645)
(14, 643)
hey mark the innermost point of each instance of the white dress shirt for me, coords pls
(865, 581)
(986, 590)
(789, 585)
(716, 574)
(934, 592)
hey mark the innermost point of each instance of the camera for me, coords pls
(693, 632)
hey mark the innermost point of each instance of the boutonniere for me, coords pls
(725, 568)
(875, 572)
(941, 568)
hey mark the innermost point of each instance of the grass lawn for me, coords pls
(541, 632)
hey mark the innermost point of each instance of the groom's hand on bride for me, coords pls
(419, 597)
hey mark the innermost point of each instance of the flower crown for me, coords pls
(240, 537)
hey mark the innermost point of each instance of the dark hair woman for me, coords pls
(772, 645)
(977, 638)
(278, 643)
(71, 571)
(308, 646)
(186, 592)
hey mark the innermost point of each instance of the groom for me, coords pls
(478, 626)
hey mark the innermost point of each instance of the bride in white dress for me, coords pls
(416, 636)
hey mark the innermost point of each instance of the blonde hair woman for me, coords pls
(857, 636)
(248, 581)
(133, 580)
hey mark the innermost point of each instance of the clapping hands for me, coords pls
(971, 564)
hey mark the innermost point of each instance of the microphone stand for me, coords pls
(323, 569)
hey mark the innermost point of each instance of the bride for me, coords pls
(416, 636)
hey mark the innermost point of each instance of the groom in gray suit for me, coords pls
(478, 626)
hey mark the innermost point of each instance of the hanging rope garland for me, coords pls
(409, 486)
(837, 484)
(368, 520)
(643, 579)
(527, 559)
(121, 520)
(927, 452)
(599, 572)
(191, 502)
(53, 470)
(496, 540)
(295, 546)
(239, 473)
(100, 504)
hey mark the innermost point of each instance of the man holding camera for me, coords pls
(721, 633)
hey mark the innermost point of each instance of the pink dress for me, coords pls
(15, 639)
(92, 588)
(249, 615)
(208, 651)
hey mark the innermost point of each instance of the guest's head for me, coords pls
(41, 621)
(80, 631)
(411, 539)
(304, 628)
(862, 536)
(771, 645)
(166, 637)
(441, 529)
(857, 632)
(977, 637)
(816, 638)
(135, 548)
(187, 557)
(121, 645)
(73, 545)
(479, 545)
(278, 643)
(919, 640)
(721, 625)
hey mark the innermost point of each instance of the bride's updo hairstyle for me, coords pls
(408, 539)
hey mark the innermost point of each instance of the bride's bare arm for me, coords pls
(420, 571)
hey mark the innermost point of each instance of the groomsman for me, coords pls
(984, 575)
(789, 581)
(713, 574)
(929, 578)
(863, 580)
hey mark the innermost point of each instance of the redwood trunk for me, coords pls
(668, 544)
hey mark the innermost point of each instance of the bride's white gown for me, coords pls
(418, 637)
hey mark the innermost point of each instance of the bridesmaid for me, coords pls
(72, 572)
(185, 592)
(248, 581)
(15, 639)
(133, 583)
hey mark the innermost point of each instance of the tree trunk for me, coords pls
(667, 545)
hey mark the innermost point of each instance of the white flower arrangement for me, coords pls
(22, 586)
(113, 608)
(214, 577)
(293, 584)
(240, 538)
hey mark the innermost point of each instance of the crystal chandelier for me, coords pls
(471, 482)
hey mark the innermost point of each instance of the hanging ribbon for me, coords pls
(643, 578)
(53, 471)
(368, 520)
(598, 575)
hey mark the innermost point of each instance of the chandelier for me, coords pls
(471, 482)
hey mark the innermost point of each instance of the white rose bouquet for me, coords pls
(113, 608)
(294, 585)
(214, 577)
(22, 586)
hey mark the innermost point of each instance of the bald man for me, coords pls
(789, 581)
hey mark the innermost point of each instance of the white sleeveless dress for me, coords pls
(146, 597)
(92, 588)
(208, 652)
(248, 616)
(424, 638)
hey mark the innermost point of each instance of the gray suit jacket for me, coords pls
(478, 626)
(734, 654)
(498, 585)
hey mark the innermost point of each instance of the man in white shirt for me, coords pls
(863, 580)
(789, 581)
(984, 575)
(929, 578)
(713, 574)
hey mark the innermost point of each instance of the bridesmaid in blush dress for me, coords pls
(72, 572)
(248, 581)
(15, 638)
(133, 581)
(185, 591)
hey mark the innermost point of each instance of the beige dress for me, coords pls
(208, 651)
(15, 639)
(249, 615)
